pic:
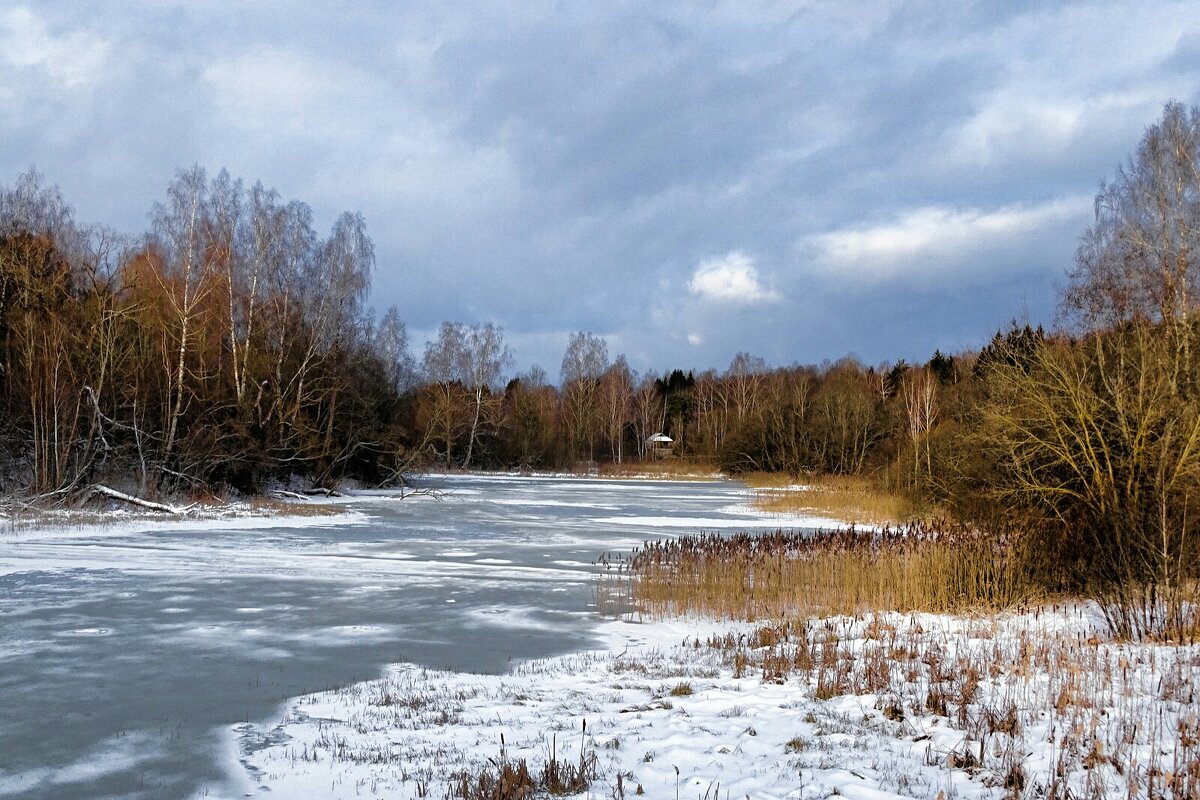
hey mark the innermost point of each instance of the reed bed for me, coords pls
(932, 566)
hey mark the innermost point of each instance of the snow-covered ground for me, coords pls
(915, 706)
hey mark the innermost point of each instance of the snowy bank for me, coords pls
(892, 706)
(236, 515)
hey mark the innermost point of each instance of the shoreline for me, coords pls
(38, 522)
(291, 508)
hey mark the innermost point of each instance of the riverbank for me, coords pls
(888, 706)
(16, 518)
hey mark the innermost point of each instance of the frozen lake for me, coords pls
(125, 652)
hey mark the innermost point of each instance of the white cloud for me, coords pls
(921, 239)
(75, 59)
(732, 278)
(276, 91)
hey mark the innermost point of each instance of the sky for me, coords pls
(799, 180)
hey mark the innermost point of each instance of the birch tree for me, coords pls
(178, 226)
(259, 248)
(616, 390)
(1140, 259)
(442, 370)
(343, 278)
(583, 364)
(919, 390)
(483, 358)
(649, 411)
(745, 378)
(391, 345)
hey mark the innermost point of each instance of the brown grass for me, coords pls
(502, 779)
(849, 498)
(269, 506)
(680, 469)
(934, 566)
(999, 686)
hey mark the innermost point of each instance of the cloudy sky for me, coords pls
(801, 180)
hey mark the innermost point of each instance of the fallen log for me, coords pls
(113, 494)
(317, 490)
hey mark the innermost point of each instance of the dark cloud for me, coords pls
(880, 177)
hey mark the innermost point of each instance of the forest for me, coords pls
(230, 347)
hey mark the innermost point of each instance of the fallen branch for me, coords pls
(113, 494)
(323, 492)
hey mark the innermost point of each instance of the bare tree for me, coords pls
(712, 411)
(441, 367)
(745, 377)
(584, 362)
(1140, 259)
(391, 345)
(294, 344)
(473, 358)
(1097, 437)
(616, 390)
(919, 391)
(184, 277)
(483, 358)
(260, 240)
(649, 411)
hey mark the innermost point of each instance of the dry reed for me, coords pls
(931, 566)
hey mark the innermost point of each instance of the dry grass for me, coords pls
(269, 506)
(680, 469)
(503, 779)
(934, 566)
(1122, 721)
(852, 499)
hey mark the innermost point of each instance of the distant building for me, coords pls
(659, 445)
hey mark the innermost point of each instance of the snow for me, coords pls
(674, 717)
